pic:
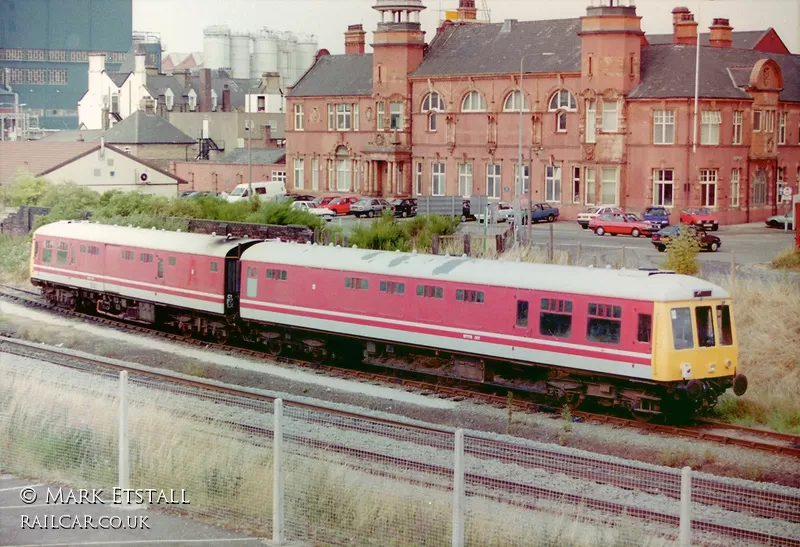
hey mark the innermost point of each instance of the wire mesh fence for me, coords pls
(324, 477)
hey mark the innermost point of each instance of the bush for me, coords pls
(15, 254)
(388, 234)
(682, 253)
(787, 260)
(25, 190)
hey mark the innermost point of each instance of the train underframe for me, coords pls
(644, 399)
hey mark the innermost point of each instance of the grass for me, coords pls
(14, 258)
(62, 428)
(787, 260)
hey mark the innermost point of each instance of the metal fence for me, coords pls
(451, 205)
(309, 475)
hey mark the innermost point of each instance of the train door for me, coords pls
(233, 276)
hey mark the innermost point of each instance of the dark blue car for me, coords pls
(656, 215)
(542, 212)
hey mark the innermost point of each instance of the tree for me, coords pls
(682, 252)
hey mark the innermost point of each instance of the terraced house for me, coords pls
(607, 113)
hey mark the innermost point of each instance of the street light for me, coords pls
(248, 126)
(518, 184)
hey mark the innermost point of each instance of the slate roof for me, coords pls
(157, 84)
(37, 156)
(742, 39)
(337, 75)
(668, 71)
(118, 77)
(489, 49)
(74, 135)
(239, 87)
(141, 128)
(260, 156)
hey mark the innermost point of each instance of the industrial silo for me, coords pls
(304, 56)
(265, 53)
(240, 54)
(286, 59)
(216, 47)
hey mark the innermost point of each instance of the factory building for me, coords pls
(44, 58)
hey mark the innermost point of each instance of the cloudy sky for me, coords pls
(181, 22)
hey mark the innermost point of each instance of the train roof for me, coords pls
(142, 238)
(631, 284)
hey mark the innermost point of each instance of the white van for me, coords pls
(265, 190)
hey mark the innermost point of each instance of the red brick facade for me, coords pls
(612, 128)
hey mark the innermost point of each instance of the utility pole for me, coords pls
(249, 128)
(518, 185)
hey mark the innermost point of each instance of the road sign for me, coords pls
(786, 192)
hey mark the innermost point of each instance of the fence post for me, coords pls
(458, 490)
(499, 244)
(277, 473)
(685, 536)
(435, 244)
(467, 244)
(124, 461)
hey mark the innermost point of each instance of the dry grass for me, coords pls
(787, 260)
(768, 327)
(65, 431)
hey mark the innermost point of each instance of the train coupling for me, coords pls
(739, 384)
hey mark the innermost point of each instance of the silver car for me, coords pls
(369, 207)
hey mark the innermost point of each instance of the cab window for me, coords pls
(682, 328)
(724, 321)
(705, 326)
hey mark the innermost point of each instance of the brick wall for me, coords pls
(21, 222)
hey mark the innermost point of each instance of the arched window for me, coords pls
(432, 104)
(342, 169)
(473, 102)
(562, 99)
(514, 100)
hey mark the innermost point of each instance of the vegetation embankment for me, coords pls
(787, 260)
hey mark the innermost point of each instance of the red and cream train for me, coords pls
(651, 341)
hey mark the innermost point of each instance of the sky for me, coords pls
(181, 22)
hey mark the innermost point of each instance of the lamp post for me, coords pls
(518, 182)
(249, 128)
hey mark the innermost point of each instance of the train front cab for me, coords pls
(696, 349)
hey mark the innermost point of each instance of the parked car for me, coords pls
(300, 197)
(186, 193)
(265, 190)
(341, 206)
(324, 201)
(592, 212)
(369, 207)
(542, 212)
(204, 194)
(701, 216)
(499, 211)
(663, 237)
(625, 224)
(656, 215)
(781, 221)
(406, 207)
(308, 206)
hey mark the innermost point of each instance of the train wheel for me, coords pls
(221, 335)
(274, 345)
(318, 356)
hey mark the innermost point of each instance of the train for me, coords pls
(648, 341)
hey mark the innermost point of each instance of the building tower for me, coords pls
(398, 46)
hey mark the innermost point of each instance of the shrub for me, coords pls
(14, 258)
(682, 253)
(25, 190)
(787, 260)
(388, 234)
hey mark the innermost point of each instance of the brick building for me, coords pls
(606, 113)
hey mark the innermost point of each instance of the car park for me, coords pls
(621, 224)
(308, 206)
(701, 216)
(656, 215)
(369, 207)
(404, 207)
(664, 237)
(781, 221)
(542, 212)
(341, 206)
(585, 217)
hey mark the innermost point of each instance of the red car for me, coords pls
(625, 224)
(341, 206)
(700, 217)
(324, 201)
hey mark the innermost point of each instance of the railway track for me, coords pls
(756, 439)
(751, 501)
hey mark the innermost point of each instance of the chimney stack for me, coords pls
(684, 27)
(467, 10)
(204, 97)
(354, 40)
(721, 33)
(97, 65)
(226, 98)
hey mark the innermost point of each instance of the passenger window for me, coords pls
(604, 324)
(522, 313)
(61, 255)
(214, 267)
(645, 326)
(705, 326)
(682, 328)
(724, 321)
(555, 319)
(252, 282)
(171, 261)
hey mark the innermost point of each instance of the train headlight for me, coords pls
(728, 363)
(712, 368)
(686, 371)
